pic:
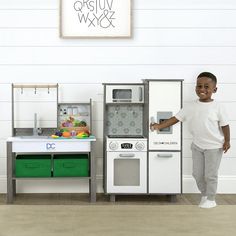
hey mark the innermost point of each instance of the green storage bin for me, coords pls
(74, 165)
(33, 166)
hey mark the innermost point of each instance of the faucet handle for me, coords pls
(39, 131)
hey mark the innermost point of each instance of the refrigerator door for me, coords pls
(165, 172)
(164, 102)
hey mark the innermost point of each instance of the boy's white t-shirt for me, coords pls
(204, 120)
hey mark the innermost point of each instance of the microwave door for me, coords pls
(120, 95)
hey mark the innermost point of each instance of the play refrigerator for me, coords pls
(164, 100)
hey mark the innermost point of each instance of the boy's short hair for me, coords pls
(208, 75)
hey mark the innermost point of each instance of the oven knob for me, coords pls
(113, 145)
(139, 146)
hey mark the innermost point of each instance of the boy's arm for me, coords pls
(164, 124)
(226, 132)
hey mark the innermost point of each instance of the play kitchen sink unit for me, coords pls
(137, 160)
(64, 151)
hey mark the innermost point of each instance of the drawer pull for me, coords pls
(165, 155)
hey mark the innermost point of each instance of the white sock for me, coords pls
(203, 199)
(208, 204)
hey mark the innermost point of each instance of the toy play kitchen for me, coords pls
(64, 151)
(125, 147)
(138, 161)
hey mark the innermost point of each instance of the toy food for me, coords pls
(82, 135)
(82, 124)
(66, 134)
(54, 136)
(58, 133)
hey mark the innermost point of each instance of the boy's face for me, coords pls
(205, 87)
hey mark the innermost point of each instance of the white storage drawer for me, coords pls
(164, 172)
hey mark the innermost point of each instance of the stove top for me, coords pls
(126, 143)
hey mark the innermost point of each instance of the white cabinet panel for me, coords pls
(164, 172)
(164, 97)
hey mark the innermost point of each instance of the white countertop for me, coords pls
(49, 139)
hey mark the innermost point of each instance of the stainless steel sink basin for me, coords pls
(34, 137)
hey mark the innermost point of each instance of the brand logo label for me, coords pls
(165, 143)
(50, 146)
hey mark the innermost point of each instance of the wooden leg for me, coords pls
(172, 198)
(112, 198)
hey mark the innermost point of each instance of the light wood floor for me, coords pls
(83, 199)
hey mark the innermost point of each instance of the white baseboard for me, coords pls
(227, 185)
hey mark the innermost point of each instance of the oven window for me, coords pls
(122, 94)
(126, 172)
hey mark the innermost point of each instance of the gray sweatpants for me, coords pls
(206, 163)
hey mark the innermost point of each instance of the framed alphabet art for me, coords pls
(95, 18)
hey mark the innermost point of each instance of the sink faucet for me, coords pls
(36, 130)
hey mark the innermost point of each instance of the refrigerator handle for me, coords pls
(165, 155)
(153, 122)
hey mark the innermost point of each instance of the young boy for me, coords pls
(208, 124)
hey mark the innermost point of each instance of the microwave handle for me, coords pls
(140, 94)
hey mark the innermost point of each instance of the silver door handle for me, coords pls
(127, 155)
(165, 155)
(140, 94)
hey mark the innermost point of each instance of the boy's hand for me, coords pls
(153, 126)
(226, 146)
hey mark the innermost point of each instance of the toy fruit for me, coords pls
(66, 134)
(82, 135)
(82, 124)
(54, 136)
(58, 133)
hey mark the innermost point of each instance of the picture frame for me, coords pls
(95, 18)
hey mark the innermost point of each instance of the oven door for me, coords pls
(126, 172)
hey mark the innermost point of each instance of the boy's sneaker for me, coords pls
(208, 204)
(203, 199)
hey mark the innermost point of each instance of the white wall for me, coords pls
(171, 40)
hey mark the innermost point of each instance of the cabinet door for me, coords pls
(164, 102)
(164, 172)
